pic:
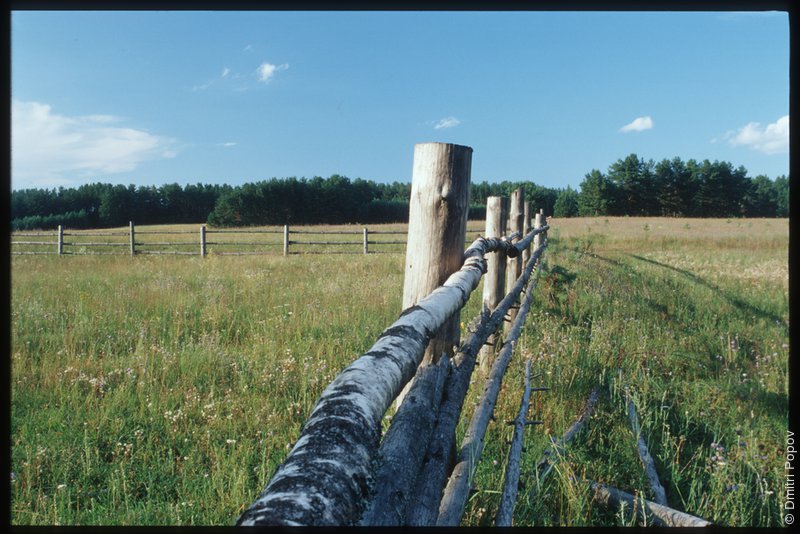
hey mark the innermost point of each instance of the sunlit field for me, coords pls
(165, 390)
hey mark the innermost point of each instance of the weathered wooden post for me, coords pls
(60, 245)
(202, 241)
(514, 265)
(437, 228)
(366, 241)
(538, 223)
(285, 239)
(494, 281)
(526, 228)
(133, 243)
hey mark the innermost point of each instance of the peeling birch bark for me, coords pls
(438, 460)
(457, 490)
(548, 459)
(660, 514)
(326, 478)
(505, 512)
(644, 455)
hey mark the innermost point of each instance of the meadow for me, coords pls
(163, 390)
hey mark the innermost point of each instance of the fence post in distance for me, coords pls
(366, 241)
(537, 239)
(133, 244)
(285, 239)
(60, 245)
(437, 228)
(526, 228)
(202, 240)
(514, 265)
(494, 281)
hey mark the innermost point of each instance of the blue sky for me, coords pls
(149, 98)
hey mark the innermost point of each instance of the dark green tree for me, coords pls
(566, 204)
(596, 194)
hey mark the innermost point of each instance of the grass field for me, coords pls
(165, 390)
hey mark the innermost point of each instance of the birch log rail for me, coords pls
(326, 477)
(505, 511)
(659, 514)
(644, 455)
(457, 490)
(420, 505)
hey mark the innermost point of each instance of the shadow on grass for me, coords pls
(736, 301)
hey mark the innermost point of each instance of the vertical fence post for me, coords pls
(514, 265)
(537, 239)
(526, 228)
(437, 228)
(202, 241)
(60, 245)
(285, 239)
(494, 281)
(133, 243)
(366, 241)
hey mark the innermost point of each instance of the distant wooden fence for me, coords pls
(341, 470)
(221, 242)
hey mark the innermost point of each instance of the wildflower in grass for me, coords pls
(230, 441)
(61, 487)
(732, 487)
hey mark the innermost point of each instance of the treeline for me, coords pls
(631, 186)
(335, 200)
(674, 188)
(106, 205)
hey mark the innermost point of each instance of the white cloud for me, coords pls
(639, 124)
(203, 87)
(447, 122)
(248, 47)
(266, 71)
(773, 139)
(228, 144)
(225, 72)
(52, 149)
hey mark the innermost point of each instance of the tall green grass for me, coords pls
(698, 332)
(166, 390)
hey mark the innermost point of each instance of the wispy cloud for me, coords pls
(248, 47)
(50, 149)
(228, 144)
(266, 71)
(203, 86)
(638, 124)
(447, 122)
(225, 72)
(772, 139)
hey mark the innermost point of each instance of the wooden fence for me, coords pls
(206, 241)
(341, 471)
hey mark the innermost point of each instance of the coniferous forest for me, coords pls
(630, 186)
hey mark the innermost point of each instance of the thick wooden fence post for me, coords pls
(202, 241)
(437, 228)
(366, 241)
(60, 245)
(285, 239)
(514, 265)
(494, 281)
(133, 243)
